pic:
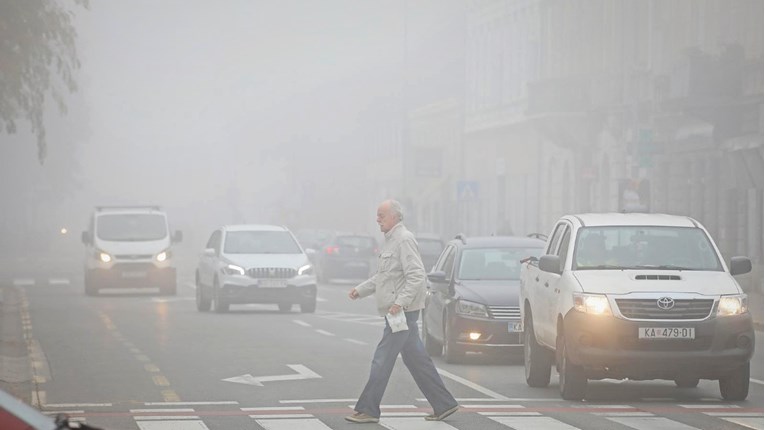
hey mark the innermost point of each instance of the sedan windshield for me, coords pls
(260, 242)
(494, 263)
(642, 247)
(131, 227)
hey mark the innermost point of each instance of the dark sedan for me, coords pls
(472, 302)
(346, 256)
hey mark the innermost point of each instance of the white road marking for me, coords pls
(752, 423)
(509, 414)
(301, 323)
(506, 399)
(76, 405)
(472, 385)
(357, 342)
(403, 414)
(302, 373)
(414, 424)
(171, 425)
(58, 281)
(274, 408)
(292, 424)
(64, 412)
(696, 406)
(651, 423)
(734, 414)
(164, 417)
(23, 282)
(321, 299)
(757, 381)
(190, 403)
(286, 402)
(533, 423)
(256, 416)
(391, 406)
(324, 332)
(493, 406)
(143, 411)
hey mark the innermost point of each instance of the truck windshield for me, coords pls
(645, 248)
(493, 263)
(131, 227)
(260, 242)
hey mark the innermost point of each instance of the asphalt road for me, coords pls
(136, 360)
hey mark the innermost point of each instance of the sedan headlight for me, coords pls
(594, 304)
(732, 305)
(465, 307)
(103, 257)
(233, 269)
(305, 270)
(164, 255)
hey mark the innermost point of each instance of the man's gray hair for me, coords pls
(396, 208)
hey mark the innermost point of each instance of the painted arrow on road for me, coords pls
(302, 373)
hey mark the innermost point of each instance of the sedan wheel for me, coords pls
(203, 303)
(453, 353)
(218, 304)
(432, 347)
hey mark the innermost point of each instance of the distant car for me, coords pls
(129, 247)
(254, 264)
(346, 256)
(472, 297)
(431, 247)
(312, 239)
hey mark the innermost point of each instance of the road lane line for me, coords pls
(273, 408)
(77, 405)
(58, 281)
(357, 342)
(324, 332)
(160, 380)
(533, 423)
(171, 425)
(471, 384)
(757, 381)
(258, 419)
(151, 368)
(317, 401)
(229, 402)
(321, 299)
(414, 424)
(170, 396)
(23, 282)
(510, 414)
(143, 411)
(301, 323)
(752, 423)
(165, 417)
(651, 423)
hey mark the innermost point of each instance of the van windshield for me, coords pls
(131, 227)
(644, 248)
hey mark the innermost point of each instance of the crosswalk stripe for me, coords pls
(533, 423)
(23, 282)
(651, 423)
(291, 424)
(172, 425)
(414, 424)
(58, 281)
(752, 423)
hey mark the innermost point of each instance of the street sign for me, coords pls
(467, 190)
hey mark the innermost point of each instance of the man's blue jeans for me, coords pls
(415, 358)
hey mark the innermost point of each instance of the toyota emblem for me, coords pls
(665, 303)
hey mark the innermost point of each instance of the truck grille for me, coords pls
(648, 309)
(505, 312)
(271, 273)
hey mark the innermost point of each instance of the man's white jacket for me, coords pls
(400, 277)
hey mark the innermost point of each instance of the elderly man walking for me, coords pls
(399, 286)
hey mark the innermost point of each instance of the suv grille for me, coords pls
(648, 309)
(505, 312)
(132, 257)
(271, 273)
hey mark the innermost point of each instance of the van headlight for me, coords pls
(732, 305)
(103, 257)
(465, 307)
(233, 269)
(305, 270)
(163, 256)
(593, 304)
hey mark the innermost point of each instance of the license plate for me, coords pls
(514, 327)
(667, 333)
(133, 275)
(272, 283)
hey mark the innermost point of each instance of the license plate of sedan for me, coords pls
(272, 283)
(667, 333)
(133, 275)
(514, 327)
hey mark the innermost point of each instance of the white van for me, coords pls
(129, 247)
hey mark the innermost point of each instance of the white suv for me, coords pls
(638, 296)
(254, 264)
(129, 247)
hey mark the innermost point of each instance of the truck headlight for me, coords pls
(470, 308)
(305, 270)
(233, 269)
(103, 257)
(164, 255)
(594, 304)
(732, 305)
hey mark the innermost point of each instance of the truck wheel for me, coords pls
(203, 303)
(308, 307)
(537, 361)
(453, 353)
(686, 382)
(432, 347)
(573, 382)
(735, 385)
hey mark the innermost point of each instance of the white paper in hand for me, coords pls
(397, 322)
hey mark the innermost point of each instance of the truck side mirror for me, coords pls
(550, 263)
(178, 236)
(740, 265)
(85, 238)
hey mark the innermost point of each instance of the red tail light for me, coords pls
(332, 250)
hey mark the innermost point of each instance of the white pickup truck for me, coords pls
(637, 296)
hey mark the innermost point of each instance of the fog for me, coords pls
(481, 117)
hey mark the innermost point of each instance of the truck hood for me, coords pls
(249, 261)
(627, 281)
(494, 293)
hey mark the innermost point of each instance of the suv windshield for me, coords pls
(643, 247)
(260, 242)
(131, 227)
(493, 263)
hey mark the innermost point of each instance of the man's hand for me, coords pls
(353, 294)
(394, 309)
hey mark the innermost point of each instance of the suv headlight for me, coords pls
(233, 269)
(465, 307)
(103, 257)
(305, 270)
(594, 304)
(163, 256)
(732, 305)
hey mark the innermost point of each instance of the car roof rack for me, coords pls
(461, 237)
(539, 236)
(153, 207)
